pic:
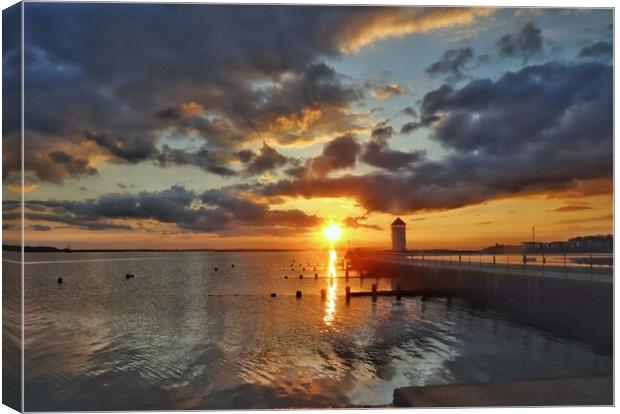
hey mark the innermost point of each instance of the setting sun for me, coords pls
(332, 232)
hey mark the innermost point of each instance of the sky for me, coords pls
(213, 126)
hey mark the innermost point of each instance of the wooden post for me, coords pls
(374, 291)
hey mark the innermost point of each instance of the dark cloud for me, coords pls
(219, 211)
(356, 223)
(212, 161)
(541, 129)
(11, 72)
(599, 50)
(452, 63)
(225, 74)
(225, 89)
(382, 132)
(543, 110)
(245, 156)
(72, 165)
(379, 154)
(526, 43)
(268, 159)
(409, 111)
(52, 166)
(339, 153)
(409, 127)
(132, 150)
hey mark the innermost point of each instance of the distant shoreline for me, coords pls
(50, 249)
(512, 250)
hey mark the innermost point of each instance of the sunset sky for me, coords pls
(193, 126)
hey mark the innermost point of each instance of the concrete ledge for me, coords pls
(549, 392)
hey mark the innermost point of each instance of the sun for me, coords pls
(332, 232)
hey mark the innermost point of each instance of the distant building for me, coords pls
(576, 244)
(399, 238)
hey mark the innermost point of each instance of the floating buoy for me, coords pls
(233, 265)
(129, 275)
(301, 276)
(316, 275)
(273, 295)
(303, 269)
(323, 294)
(298, 294)
(215, 268)
(286, 277)
(59, 280)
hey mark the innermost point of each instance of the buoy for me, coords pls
(273, 295)
(215, 268)
(323, 294)
(233, 265)
(129, 275)
(286, 277)
(298, 294)
(301, 276)
(59, 280)
(304, 269)
(316, 275)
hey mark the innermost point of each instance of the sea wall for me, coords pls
(576, 309)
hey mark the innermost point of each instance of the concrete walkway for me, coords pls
(598, 274)
(550, 392)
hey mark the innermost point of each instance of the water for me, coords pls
(181, 335)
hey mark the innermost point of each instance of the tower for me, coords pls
(399, 239)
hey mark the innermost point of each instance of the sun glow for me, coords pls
(332, 232)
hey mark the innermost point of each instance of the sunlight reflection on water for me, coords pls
(332, 288)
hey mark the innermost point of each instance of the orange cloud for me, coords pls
(391, 22)
(310, 125)
(299, 122)
(387, 91)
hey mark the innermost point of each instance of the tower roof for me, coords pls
(398, 222)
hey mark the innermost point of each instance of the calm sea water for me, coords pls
(180, 335)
